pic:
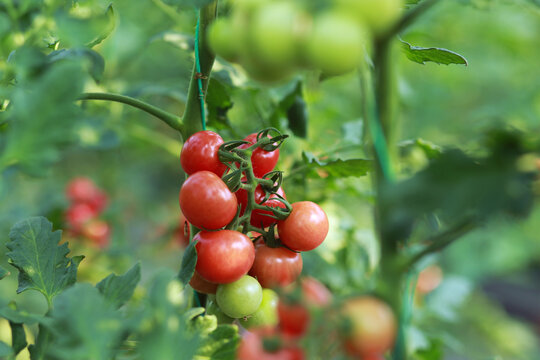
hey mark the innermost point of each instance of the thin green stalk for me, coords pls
(192, 117)
(170, 119)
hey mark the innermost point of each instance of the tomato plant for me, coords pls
(240, 298)
(263, 161)
(306, 227)
(200, 152)
(275, 266)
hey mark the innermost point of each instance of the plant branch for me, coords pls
(170, 119)
(192, 115)
(445, 238)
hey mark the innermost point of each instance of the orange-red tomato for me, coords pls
(202, 285)
(305, 228)
(200, 152)
(275, 266)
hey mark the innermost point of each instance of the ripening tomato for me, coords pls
(78, 214)
(305, 228)
(373, 326)
(378, 15)
(336, 44)
(202, 285)
(98, 231)
(429, 279)
(239, 298)
(206, 201)
(260, 218)
(84, 190)
(314, 292)
(223, 256)
(200, 152)
(275, 266)
(266, 314)
(223, 36)
(262, 161)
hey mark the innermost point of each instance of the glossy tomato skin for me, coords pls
(275, 267)
(206, 201)
(373, 326)
(200, 152)
(202, 285)
(239, 298)
(262, 161)
(305, 228)
(266, 314)
(260, 217)
(223, 256)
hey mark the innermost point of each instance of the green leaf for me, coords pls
(84, 326)
(189, 260)
(94, 60)
(107, 28)
(117, 290)
(297, 117)
(220, 344)
(292, 107)
(11, 313)
(18, 337)
(337, 167)
(219, 102)
(43, 264)
(3, 273)
(5, 349)
(434, 352)
(88, 31)
(422, 55)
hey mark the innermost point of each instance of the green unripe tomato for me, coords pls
(336, 45)
(377, 15)
(239, 298)
(223, 37)
(212, 308)
(266, 314)
(274, 31)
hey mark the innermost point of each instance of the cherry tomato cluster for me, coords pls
(87, 203)
(271, 39)
(233, 191)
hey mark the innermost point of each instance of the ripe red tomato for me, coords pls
(206, 201)
(251, 348)
(78, 214)
(275, 266)
(305, 228)
(293, 318)
(259, 217)
(314, 292)
(200, 152)
(223, 256)
(200, 284)
(373, 326)
(98, 231)
(262, 161)
(84, 190)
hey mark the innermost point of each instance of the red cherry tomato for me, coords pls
(98, 231)
(223, 256)
(262, 161)
(275, 266)
(293, 318)
(200, 152)
(84, 190)
(305, 228)
(202, 285)
(206, 201)
(373, 326)
(78, 214)
(260, 217)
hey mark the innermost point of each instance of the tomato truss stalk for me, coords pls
(239, 162)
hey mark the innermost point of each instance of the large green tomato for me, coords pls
(212, 308)
(223, 37)
(266, 314)
(240, 298)
(336, 45)
(377, 15)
